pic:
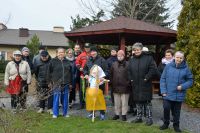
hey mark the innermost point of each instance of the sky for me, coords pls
(45, 14)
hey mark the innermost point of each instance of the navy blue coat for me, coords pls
(174, 76)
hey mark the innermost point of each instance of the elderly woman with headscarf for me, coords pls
(17, 76)
(142, 68)
(175, 80)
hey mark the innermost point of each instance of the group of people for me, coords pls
(130, 81)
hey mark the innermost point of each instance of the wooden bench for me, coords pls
(155, 86)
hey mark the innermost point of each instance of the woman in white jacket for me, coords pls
(17, 75)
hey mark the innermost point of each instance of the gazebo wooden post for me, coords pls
(122, 43)
(157, 53)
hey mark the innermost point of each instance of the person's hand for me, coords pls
(164, 94)
(179, 88)
(70, 87)
(102, 80)
(81, 69)
(86, 76)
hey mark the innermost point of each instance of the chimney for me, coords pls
(58, 29)
(23, 32)
(2, 26)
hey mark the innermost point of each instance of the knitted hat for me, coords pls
(94, 49)
(25, 49)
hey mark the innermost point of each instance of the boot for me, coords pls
(116, 117)
(164, 127)
(149, 122)
(124, 118)
(177, 129)
(137, 120)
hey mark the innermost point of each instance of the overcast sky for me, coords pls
(44, 14)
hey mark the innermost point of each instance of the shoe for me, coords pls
(54, 116)
(41, 110)
(66, 116)
(137, 120)
(177, 129)
(14, 111)
(116, 117)
(102, 117)
(50, 111)
(124, 118)
(149, 122)
(164, 127)
(70, 105)
(90, 115)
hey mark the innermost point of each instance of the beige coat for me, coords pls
(11, 72)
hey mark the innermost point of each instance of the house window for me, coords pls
(3, 55)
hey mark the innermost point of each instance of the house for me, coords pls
(13, 39)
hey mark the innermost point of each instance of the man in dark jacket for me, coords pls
(110, 61)
(120, 85)
(142, 68)
(59, 75)
(41, 71)
(96, 59)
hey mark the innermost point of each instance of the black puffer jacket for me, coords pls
(141, 68)
(41, 70)
(119, 79)
(59, 72)
(100, 61)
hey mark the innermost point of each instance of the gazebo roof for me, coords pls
(133, 30)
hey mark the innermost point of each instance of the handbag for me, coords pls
(15, 85)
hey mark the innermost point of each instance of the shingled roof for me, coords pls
(122, 24)
(48, 38)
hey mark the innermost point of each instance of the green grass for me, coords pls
(43, 123)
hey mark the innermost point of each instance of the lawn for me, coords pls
(1, 76)
(32, 122)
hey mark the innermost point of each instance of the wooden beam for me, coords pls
(122, 43)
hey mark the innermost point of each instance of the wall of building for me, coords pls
(8, 49)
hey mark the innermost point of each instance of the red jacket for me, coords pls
(81, 60)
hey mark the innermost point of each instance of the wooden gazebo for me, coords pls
(123, 31)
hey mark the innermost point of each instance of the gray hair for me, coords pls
(137, 45)
(179, 53)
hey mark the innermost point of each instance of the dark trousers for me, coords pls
(175, 108)
(82, 93)
(20, 99)
(44, 94)
(72, 95)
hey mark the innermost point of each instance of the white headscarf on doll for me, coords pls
(96, 72)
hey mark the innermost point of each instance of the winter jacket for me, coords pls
(100, 61)
(110, 61)
(59, 72)
(28, 59)
(41, 70)
(74, 71)
(11, 72)
(118, 77)
(141, 71)
(174, 76)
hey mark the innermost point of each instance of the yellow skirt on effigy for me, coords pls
(95, 99)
